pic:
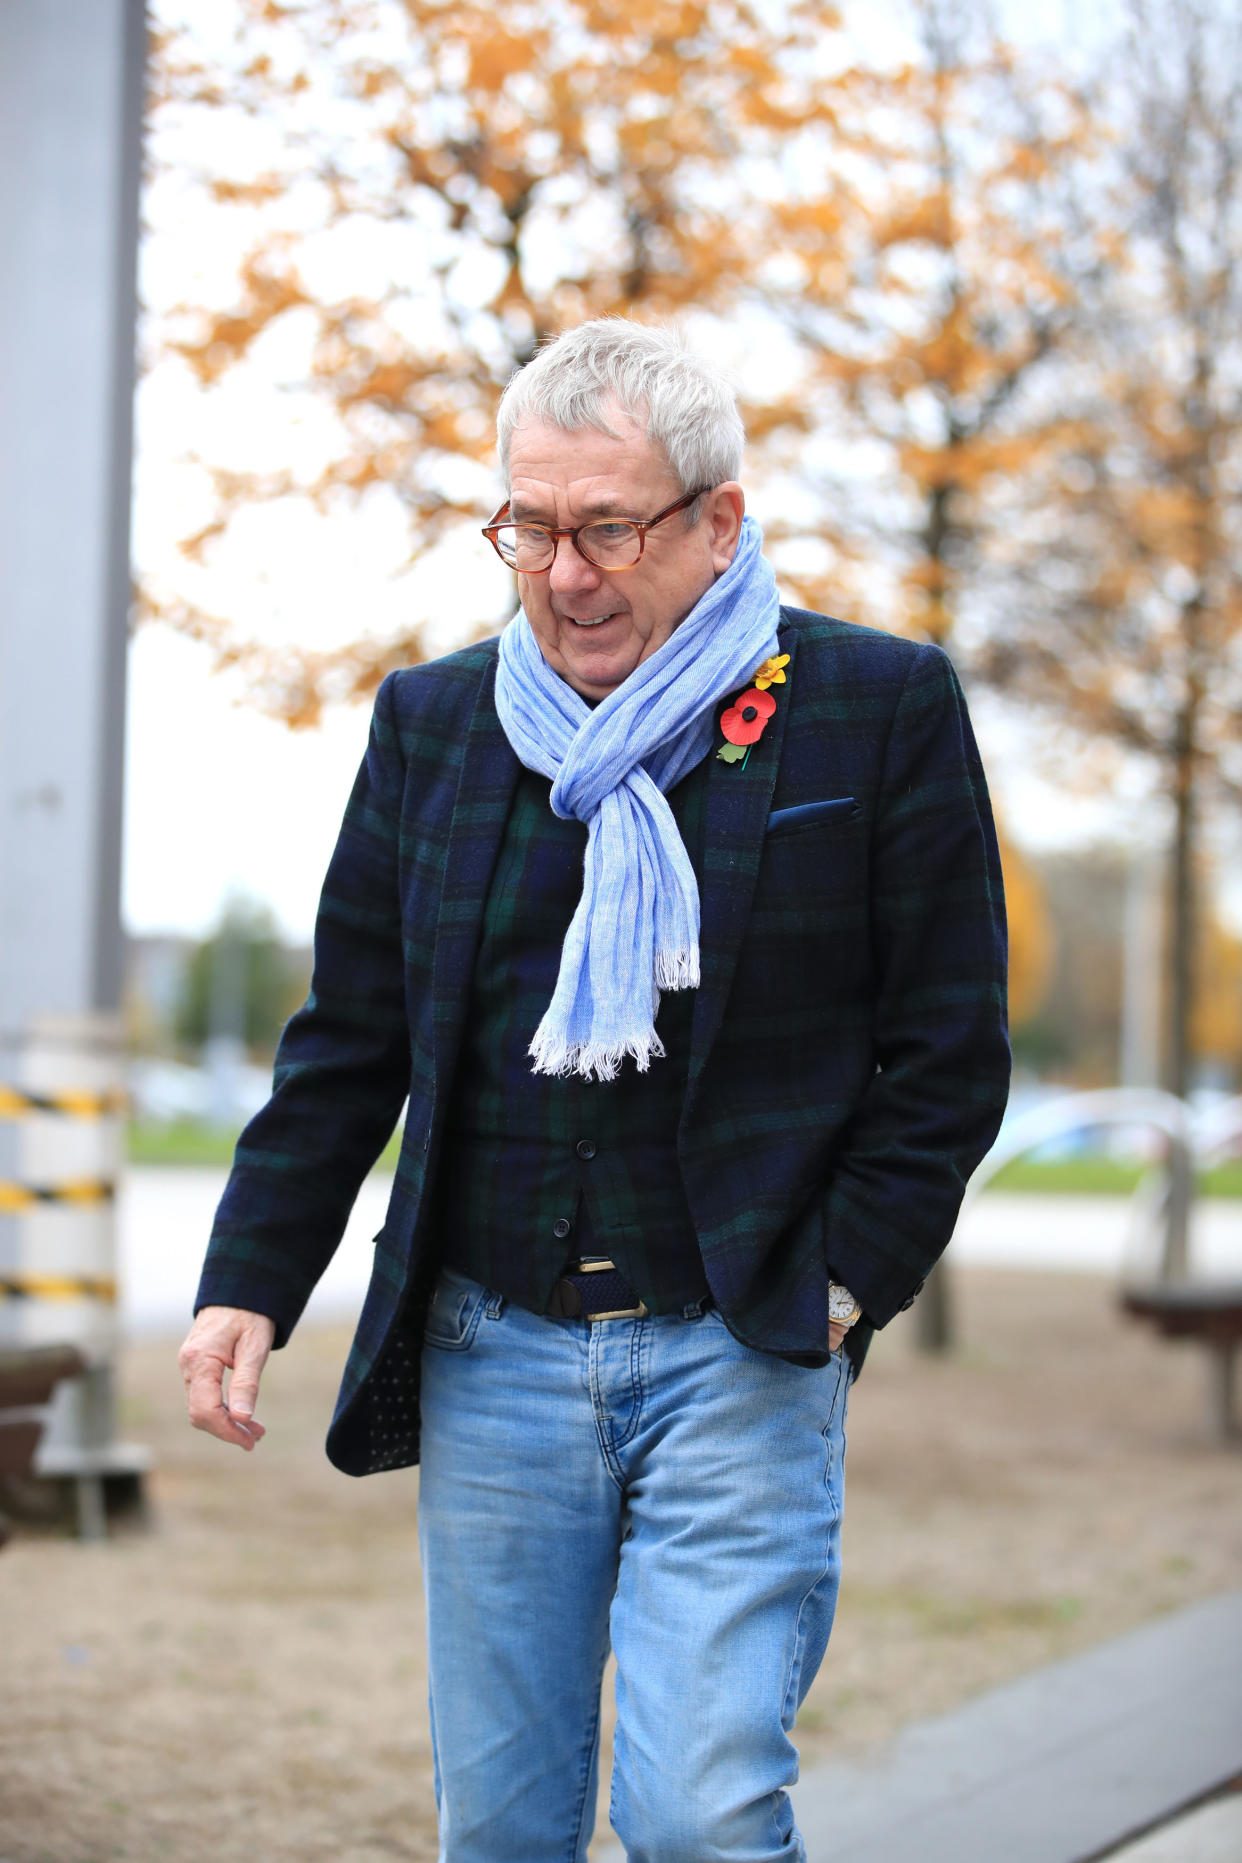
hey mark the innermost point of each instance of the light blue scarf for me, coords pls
(636, 929)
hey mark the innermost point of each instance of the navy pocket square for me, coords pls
(810, 814)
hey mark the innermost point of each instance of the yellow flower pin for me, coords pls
(771, 673)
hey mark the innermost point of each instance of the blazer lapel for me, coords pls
(738, 804)
(489, 774)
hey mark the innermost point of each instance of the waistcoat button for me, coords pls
(561, 1227)
(585, 1148)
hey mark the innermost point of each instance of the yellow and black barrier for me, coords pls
(78, 1104)
(14, 1198)
(58, 1287)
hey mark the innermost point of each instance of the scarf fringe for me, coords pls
(677, 970)
(593, 1060)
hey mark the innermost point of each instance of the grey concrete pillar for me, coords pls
(71, 100)
(71, 84)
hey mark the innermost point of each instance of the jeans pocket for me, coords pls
(453, 1316)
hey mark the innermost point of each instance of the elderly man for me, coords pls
(677, 916)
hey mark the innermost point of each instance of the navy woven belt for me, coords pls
(595, 1290)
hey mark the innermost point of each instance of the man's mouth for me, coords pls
(592, 620)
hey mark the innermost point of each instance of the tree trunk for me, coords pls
(933, 1312)
(1183, 916)
(934, 1309)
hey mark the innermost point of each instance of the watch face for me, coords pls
(841, 1307)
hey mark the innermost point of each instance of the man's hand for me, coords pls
(226, 1339)
(836, 1333)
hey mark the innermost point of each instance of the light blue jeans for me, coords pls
(650, 1484)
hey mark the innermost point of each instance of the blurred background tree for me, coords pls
(241, 982)
(927, 255)
(1216, 1025)
(1131, 630)
(1030, 933)
(1073, 1030)
(1070, 1028)
(487, 175)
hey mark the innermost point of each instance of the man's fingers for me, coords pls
(244, 1384)
(223, 1340)
(249, 1358)
(246, 1431)
(208, 1411)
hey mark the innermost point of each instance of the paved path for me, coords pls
(1210, 1834)
(1052, 1768)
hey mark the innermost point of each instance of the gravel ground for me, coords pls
(246, 1680)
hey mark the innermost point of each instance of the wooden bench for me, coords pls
(1211, 1314)
(28, 1376)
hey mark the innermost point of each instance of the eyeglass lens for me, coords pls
(528, 547)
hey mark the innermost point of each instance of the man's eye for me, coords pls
(611, 533)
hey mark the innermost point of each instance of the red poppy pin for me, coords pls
(744, 722)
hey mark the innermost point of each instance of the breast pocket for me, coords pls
(833, 812)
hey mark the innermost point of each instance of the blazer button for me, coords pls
(561, 1228)
(585, 1148)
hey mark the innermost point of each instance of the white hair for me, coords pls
(685, 404)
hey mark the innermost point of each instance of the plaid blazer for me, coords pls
(849, 1060)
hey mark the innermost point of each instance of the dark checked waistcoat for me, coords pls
(538, 1169)
(848, 1061)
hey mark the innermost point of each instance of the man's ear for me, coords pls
(725, 508)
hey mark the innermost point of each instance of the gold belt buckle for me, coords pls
(639, 1312)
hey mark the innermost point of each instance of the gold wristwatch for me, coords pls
(843, 1309)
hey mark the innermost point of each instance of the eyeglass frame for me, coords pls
(574, 531)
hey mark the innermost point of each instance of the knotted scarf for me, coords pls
(635, 931)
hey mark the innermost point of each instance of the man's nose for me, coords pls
(570, 571)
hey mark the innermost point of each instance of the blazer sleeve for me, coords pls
(341, 1073)
(939, 949)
